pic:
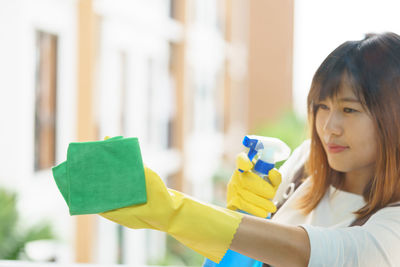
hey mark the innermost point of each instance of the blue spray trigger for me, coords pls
(263, 167)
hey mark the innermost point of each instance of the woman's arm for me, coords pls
(272, 243)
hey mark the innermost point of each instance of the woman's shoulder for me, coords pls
(387, 217)
(389, 210)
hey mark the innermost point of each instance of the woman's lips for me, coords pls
(336, 148)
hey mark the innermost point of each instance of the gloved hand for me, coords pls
(249, 192)
(206, 229)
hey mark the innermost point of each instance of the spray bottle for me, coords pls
(264, 152)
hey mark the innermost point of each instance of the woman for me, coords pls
(354, 167)
(354, 112)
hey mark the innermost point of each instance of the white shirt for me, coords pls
(376, 243)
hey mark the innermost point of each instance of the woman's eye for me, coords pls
(322, 106)
(349, 110)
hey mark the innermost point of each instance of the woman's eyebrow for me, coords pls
(349, 99)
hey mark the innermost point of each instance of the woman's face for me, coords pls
(347, 133)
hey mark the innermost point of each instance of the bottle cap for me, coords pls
(251, 144)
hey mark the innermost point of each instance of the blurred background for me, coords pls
(189, 78)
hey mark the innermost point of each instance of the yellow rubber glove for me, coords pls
(249, 192)
(204, 228)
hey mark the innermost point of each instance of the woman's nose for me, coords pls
(333, 124)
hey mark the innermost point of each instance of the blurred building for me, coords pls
(189, 78)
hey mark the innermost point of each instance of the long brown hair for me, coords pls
(373, 67)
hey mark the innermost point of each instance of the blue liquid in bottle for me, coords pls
(233, 259)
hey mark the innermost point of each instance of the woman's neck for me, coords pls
(356, 180)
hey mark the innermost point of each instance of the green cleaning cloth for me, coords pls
(102, 175)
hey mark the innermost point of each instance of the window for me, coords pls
(123, 88)
(45, 100)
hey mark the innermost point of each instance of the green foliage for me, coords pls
(288, 128)
(12, 238)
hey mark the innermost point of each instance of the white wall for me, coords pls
(322, 25)
(38, 195)
(133, 28)
(206, 54)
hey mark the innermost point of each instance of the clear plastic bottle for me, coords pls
(264, 152)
